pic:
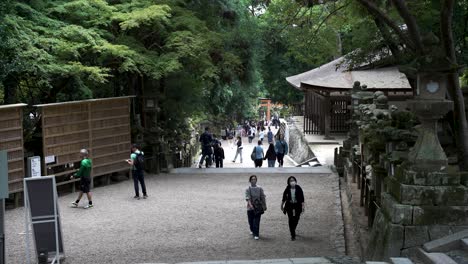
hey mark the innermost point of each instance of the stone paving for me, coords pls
(192, 217)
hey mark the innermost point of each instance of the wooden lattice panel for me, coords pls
(11, 140)
(102, 126)
(110, 135)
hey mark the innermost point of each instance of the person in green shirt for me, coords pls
(84, 173)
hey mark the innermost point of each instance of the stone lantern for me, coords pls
(429, 105)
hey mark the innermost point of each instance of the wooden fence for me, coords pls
(101, 125)
(11, 140)
(317, 107)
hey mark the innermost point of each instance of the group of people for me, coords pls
(275, 151)
(212, 149)
(292, 204)
(136, 162)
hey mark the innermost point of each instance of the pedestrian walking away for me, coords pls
(281, 148)
(239, 149)
(270, 155)
(84, 173)
(293, 204)
(137, 161)
(261, 135)
(206, 139)
(219, 155)
(270, 135)
(256, 206)
(258, 154)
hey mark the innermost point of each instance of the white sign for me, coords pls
(49, 159)
(34, 166)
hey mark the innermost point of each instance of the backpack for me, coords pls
(139, 161)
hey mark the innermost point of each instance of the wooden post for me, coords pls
(327, 109)
(268, 109)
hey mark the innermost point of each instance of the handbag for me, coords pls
(257, 205)
(253, 156)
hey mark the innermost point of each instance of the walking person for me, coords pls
(293, 204)
(281, 148)
(239, 149)
(258, 154)
(84, 173)
(137, 161)
(270, 135)
(206, 138)
(271, 155)
(218, 155)
(251, 134)
(256, 206)
(261, 135)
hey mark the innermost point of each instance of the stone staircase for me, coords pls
(451, 249)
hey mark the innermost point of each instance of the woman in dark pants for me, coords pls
(254, 196)
(293, 204)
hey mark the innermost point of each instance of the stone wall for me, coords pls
(299, 150)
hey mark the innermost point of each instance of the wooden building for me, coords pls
(327, 93)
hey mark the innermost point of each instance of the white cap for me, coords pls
(84, 152)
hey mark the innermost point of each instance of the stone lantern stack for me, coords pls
(424, 200)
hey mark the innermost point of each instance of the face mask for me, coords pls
(293, 183)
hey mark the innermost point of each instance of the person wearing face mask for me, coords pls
(293, 204)
(256, 205)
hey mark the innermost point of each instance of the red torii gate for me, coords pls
(266, 102)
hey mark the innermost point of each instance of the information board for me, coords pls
(3, 174)
(42, 207)
(34, 166)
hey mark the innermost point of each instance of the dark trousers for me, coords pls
(219, 162)
(258, 163)
(139, 177)
(280, 157)
(294, 213)
(208, 161)
(254, 222)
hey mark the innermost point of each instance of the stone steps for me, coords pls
(435, 258)
(311, 260)
(276, 170)
(451, 249)
(392, 261)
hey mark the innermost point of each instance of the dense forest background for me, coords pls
(201, 59)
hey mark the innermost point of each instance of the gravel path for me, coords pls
(190, 218)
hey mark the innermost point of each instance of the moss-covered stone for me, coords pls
(440, 215)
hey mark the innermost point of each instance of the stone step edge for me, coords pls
(435, 258)
(311, 260)
(446, 243)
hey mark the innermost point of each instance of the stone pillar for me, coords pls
(423, 201)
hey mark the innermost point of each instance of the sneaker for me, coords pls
(256, 237)
(74, 204)
(251, 232)
(88, 206)
(145, 196)
(199, 166)
(293, 238)
(234, 161)
(136, 197)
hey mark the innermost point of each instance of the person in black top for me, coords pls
(271, 155)
(293, 204)
(206, 139)
(219, 155)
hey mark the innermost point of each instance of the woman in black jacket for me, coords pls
(293, 204)
(271, 155)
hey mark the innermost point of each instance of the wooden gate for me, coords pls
(11, 140)
(101, 125)
(340, 114)
(314, 114)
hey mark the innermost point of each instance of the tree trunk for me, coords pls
(459, 114)
(10, 85)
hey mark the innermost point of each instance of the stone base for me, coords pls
(393, 240)
(400, 229)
